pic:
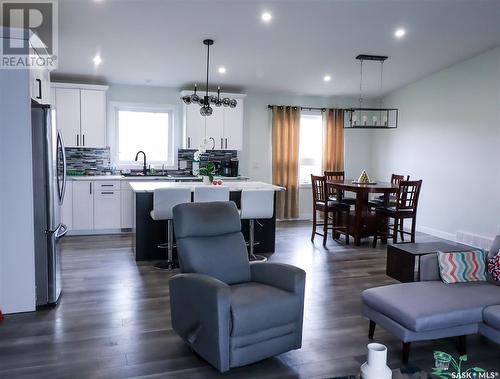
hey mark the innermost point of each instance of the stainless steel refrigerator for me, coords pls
(49, 185)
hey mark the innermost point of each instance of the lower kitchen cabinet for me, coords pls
(99, 206)
(83, 205)
(107, 206)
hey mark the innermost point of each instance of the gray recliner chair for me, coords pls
(231, 312)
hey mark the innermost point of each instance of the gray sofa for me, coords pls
(431, 309)
(231, 312)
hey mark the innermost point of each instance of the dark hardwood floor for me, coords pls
(113, 320)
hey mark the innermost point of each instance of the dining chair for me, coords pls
(334, 194)
(379, 200)
(405, 208)
(326, 206)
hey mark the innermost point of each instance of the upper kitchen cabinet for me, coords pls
(93, 117)
(67, 106)
(233, 127)
(40, 85)
(194, 127)
(215, 128)
(223, 129)
(81, 114)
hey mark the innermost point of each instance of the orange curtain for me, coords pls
(285, 135)
(333, 140)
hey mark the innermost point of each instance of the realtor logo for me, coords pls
(29, 34)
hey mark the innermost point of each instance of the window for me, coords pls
(144, 128)
(310, 146)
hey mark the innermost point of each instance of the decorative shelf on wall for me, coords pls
(370, 118)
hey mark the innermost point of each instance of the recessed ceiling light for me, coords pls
(97, 60)
(327, 78)
(222, 70)
(399, 33)
(266, 16)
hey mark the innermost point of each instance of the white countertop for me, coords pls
(234, 186)
(150, 178)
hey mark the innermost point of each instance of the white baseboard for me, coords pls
(437, 233)
(466, 238)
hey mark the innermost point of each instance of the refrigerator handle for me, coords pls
(61, 144)
(60, 234)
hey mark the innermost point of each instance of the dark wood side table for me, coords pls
(401, 258)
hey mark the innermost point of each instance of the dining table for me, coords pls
(363, 223)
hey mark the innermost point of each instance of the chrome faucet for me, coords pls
(144, 166)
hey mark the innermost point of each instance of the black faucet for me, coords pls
(144, 166)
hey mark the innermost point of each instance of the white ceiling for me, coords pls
(161, 41)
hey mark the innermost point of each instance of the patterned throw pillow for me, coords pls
(494, 267)
(464, 266)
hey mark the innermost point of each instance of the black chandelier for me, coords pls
(206, 101)
(370, 118)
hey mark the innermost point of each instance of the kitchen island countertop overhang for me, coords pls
(234, 186)
(149, 233)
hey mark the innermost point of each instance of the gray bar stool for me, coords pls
(164, 200)
(256, 204)
(205, 194)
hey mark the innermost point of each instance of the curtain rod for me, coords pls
(302, 108)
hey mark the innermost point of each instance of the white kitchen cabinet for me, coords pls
(107, 205)
(127, 206)
(67, 206)
(233, 127)
(224, 128)
(68, 114)
(93, 118)
(194, 126)
(81, 114)
(215, 128)
(40, 85)
(83, 205)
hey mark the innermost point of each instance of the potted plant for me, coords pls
(207, 173)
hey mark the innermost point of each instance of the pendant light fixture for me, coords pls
(370, 118)
(206, 101)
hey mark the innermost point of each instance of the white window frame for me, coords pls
(141, 107)
(315, 113)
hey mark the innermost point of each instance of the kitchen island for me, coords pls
(149, 233)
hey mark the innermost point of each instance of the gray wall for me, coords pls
(449, 136)
(17, 264)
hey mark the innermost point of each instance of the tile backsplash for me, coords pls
(185, 157)
(94, 160)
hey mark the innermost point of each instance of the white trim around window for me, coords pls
(115, 107)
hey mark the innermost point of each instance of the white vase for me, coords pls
(206, 180)
(376, 365)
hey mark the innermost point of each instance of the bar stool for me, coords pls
(205, 194)
(256, 204)
(164, 199)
